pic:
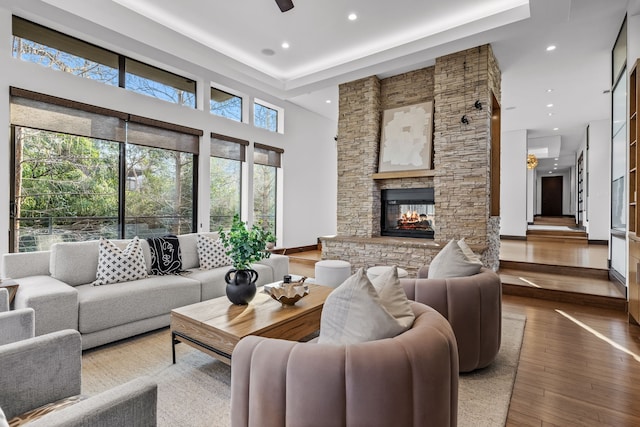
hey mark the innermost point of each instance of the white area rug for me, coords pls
(195, 392)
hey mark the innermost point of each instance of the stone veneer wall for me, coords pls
(461, 161)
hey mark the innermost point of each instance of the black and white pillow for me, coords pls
(165, 255)
(120, 265)
(212, 253)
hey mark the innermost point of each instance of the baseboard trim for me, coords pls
(506, 237)
(597, 242)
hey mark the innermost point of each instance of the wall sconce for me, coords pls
(532, 161)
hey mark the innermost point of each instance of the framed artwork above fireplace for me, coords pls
(406, 138)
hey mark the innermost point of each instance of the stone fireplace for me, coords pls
(461, 172)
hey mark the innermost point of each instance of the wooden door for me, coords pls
(552, 196)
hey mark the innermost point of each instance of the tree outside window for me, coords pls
(265, 117)
(225, 191)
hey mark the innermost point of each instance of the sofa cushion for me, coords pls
(353, 313)
(76, 263)
(120, 265)
(166, 257)
(452, 262)
(393, 297)
(212, 253)
(102, 307)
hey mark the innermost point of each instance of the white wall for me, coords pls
(513, 178)
(599, 170)
(309, 162)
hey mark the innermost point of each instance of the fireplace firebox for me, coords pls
(408, 212)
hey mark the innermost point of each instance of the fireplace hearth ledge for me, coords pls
(396, 241)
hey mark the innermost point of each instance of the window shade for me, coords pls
(38, 111)
(266, 155)
(154, 133)
(228, 147)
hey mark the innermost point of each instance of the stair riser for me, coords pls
(593, 273)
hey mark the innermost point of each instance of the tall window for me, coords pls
(265, 117)
(49, 48)
(266, 162)
(72, 181)
(159, 192)
(66, 188)
(225, 104)
(227, 156)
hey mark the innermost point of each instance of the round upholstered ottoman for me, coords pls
(373, 272)
(332, 272)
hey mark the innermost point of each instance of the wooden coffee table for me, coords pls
(215, 326)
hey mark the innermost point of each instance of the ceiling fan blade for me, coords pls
(285, 5)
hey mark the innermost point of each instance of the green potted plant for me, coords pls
(244, 246)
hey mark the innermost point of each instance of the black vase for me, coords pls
(241, 285)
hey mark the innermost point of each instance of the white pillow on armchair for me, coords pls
(451, 261)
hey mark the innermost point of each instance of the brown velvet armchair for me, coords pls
(473, 307)
(408, 380)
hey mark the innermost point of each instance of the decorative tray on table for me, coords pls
(287, 292)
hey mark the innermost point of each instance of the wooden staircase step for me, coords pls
(577, 285)
(558, 233)
(562, 270)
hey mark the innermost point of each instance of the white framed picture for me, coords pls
(405, 140)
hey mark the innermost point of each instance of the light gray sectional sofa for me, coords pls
(57, 285)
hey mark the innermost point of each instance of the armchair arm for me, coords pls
(39, 370)
(17, 325)
(4, 300)
(132, 404)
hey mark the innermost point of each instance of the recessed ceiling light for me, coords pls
(285, 45)
(556, 159)
(328, 101)
(556, 129)
(352, 17)
(555, 164)
(549, 105)
(268, 52)
(555, 169)
(551, 47)
(550, 172)
(549, 90)
(550, 114)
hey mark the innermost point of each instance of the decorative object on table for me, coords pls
(288, 292)
(244, 247)
(405, 142)
(12, 287)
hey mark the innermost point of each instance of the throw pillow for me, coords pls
(353, 313)
(393, 297)
(466, 250)
(34, 414)
(120, 265)
(452, 262)
(166, 257)
(212, 253)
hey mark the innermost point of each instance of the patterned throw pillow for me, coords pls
(118, 265)
(166, 257)
(34, 414)
(212, 253)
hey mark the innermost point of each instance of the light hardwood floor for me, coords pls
(579, 365)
